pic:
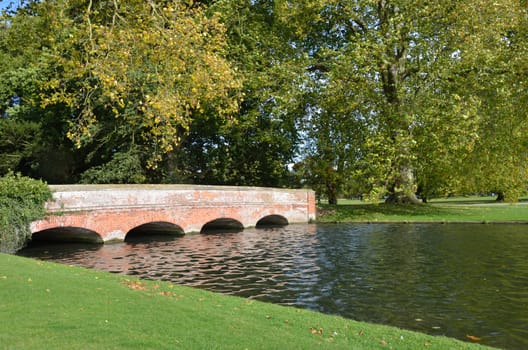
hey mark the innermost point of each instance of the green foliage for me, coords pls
(417, 96)
(497, 75)
(18, 140)
(122, 169)
(105, 78)
(374, 98)
(21, 202)
(246, 154)
(143, 71)
(257, 146)
(33, 137)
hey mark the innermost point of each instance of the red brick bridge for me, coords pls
(101, 213)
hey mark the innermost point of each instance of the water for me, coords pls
(453, 280)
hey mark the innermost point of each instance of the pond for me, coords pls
(454, 280)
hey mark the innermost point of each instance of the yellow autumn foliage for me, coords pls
(154, 66)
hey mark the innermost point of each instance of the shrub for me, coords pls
(21, 202)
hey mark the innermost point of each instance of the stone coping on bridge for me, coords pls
(104, 187)
(92, 197)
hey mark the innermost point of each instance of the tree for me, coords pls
(387, 98)
(132, 83)
(497, 74)
(31, 136)
(135, 75)
(395, 74)
(259, 146)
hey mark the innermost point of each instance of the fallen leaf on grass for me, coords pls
(383, 342)
(136, 285)
(472, 337)
(361, 332)
(316, 331)
(427, 343)
(166, 294)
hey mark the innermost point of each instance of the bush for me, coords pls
(21, 202)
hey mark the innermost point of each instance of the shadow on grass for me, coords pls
(465, 202)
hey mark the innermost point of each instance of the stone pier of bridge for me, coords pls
(102, 213)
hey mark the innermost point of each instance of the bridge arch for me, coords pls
(222, 225)
(273, 221)
(67, 234)
(155, 228)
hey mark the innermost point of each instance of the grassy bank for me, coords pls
(462, 209)
(50, 306)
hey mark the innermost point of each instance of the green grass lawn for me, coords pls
(460, 209)
(50, 306)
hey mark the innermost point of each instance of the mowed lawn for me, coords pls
(453, 210)
(50, 306)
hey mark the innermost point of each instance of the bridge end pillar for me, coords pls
(312, 209)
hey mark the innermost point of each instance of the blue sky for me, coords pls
(5, 3)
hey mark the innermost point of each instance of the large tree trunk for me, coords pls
(402, 198)
(331, 192)
(403, 188)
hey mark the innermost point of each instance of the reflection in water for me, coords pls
(449, 280)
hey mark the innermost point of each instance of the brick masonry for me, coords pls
(109, 212)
